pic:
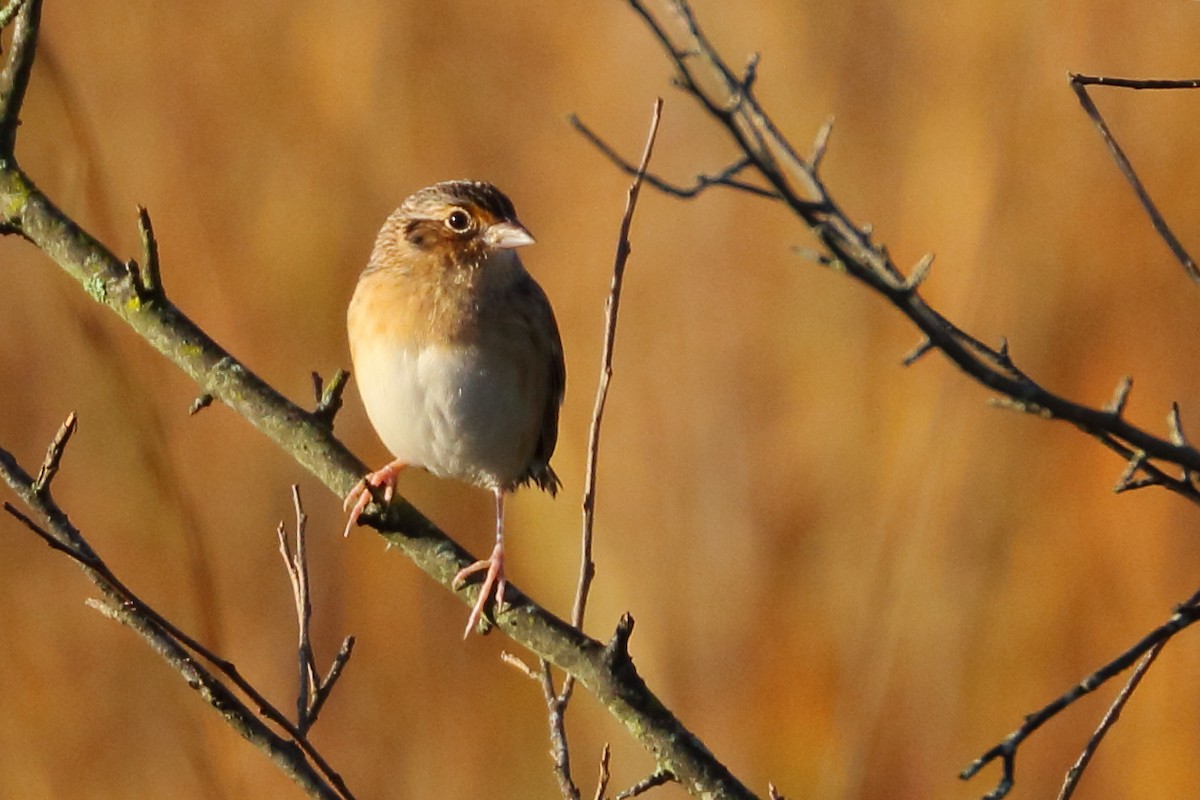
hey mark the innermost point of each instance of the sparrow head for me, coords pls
(461, 222)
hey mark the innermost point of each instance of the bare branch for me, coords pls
(14, 78)
(1075, 773)
(294, 755)
(726, 177)
(1006, 751)
(1079, 86)
(848, 247)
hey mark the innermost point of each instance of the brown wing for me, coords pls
(544, 329)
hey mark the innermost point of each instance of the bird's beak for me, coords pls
(507, 235)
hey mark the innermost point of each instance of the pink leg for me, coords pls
(494, 564)
(360, 496)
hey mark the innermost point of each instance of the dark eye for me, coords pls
(459, 221)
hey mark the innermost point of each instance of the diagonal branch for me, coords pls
(1006, 751)
(1079, 84)
(294, 755)
(27, 211)
(730, 100)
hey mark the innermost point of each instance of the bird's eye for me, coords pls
(459, 221)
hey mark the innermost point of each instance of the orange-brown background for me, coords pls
(849, 578)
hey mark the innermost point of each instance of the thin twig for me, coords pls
(313, 690)
(557, 701)
(602, 780)
(662, 776)
(1110, 718)
(611, 309)
(1079, 86)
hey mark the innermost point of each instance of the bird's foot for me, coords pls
(360, 496)
(494, 565)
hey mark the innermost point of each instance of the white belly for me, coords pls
(441, 408)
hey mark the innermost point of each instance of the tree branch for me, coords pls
(1006, 751)
(27, 211)
(730, 100)
(295, 756)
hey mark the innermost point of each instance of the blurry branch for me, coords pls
(557, 702)
(607, 671)
(1079, 84)
(652, 781)
(314, 690)
(764, 155)
(293, 754)
(1151, 643)
(1110, 718)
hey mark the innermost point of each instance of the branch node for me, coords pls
(1175, 426)
(200, 403)
(520, 666)
(919, 273)
(1127, 482)
(616, 652)
(750, 74)
(914, 355)
(329, 397)
(149, 281)
(820, 142)
(53, 459)
(659, 777)
(1116, 406)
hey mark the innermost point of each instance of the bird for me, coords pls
(457, 356)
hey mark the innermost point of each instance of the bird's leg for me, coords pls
(360, 496)
(494, 564)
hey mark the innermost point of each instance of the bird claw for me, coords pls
(359, 498)
(494, 565)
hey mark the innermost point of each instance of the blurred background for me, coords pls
(849, 578)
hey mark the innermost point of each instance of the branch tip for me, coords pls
(149, 283)
(54, 454)
(616, 652)
(329, 396)
(1116, 406)
(657, 778)
(820, 142)
(914, 355)
(199, 404)
(919, 273)
(1175, 426)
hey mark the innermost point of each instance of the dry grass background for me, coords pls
(849, 578)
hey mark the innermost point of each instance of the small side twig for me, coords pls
(329, 396)
(150, 283)
(662, 776)
(313, 690)
(54, 454)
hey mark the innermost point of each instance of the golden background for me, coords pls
(849, 578)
